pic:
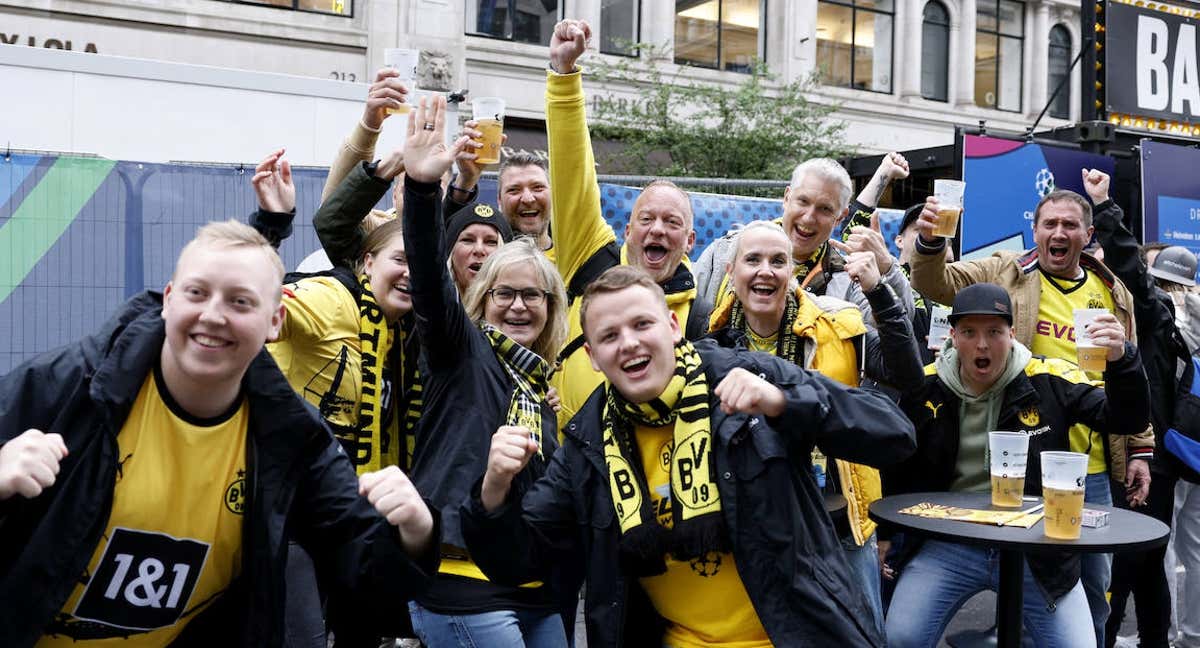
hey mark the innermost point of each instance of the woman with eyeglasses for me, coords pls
(484, 366)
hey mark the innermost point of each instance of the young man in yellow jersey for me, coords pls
(151, 474)
(683, 491)
(1047, 283)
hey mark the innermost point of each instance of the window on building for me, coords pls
(1059, 67)
(935, 52)
(854, 43)
(619, 26)
(523, 21)
(339, 7)
(999, 47)
(720, 34)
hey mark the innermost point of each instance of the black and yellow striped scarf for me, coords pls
(729, 312)
(372, 344)
(530, 374)
(806, 267)
(698, 526)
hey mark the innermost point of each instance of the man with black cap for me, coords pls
(986, 380)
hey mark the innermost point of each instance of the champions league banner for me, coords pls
(1005, 180)
(80, 235)
(1171, 194)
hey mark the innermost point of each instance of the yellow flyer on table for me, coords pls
(1023, 519)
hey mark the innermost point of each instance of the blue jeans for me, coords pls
(499, 629)
(942, 576)
(1096, 568)
(864, 565)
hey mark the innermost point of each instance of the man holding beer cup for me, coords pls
(1047, 285)
(986, 380)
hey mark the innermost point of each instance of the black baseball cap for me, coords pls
(982, 299)
(910, 216)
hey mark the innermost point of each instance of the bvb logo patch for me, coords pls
(664, 456)
(1095, 301)
(629, 498)
(1029, 416)
(235, 494)
(694, 489)
(484, 211)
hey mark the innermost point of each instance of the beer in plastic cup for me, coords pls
(1092, 357)
(1063, 474)
(403, 61)
(949, 194)
(1008, 451)
(489, 113)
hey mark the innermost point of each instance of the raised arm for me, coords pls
(931, 275)
(893, 166)
(1121, 253)
(441, 321)
(276, 194)
(386, 92)
(577, 225)
(339, 219)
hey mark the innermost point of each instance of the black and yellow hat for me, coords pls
(473, 213)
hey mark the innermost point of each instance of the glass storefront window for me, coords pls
(523, 21)
(854, 44)
(722, 34)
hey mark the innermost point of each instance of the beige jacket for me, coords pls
(1017, 273)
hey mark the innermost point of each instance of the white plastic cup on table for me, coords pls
(403, 61)
(489, 115)
(1063, 475)
(949, 194)
(1091, 357)
(1009, 452)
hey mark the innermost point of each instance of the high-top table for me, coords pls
(1125, 531)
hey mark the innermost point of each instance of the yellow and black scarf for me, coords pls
(729, 312)
(697, 524)
(805, 269)
(372, 344)
(530, 374)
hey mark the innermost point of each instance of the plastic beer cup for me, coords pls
(949, 194)
(1009, 452)
(1063, 474)
(403, 61)
(489, 114)
(1092, 357)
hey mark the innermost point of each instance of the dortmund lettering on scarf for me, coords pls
(371, 337)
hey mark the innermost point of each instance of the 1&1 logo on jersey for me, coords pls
(143, 581)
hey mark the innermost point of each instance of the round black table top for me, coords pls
(1126, 530)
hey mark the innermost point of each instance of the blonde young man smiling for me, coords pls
(658, 237)
(164, 457)
(676, 494)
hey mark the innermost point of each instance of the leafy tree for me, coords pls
(681, 126)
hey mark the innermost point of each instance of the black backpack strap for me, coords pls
(603, 259)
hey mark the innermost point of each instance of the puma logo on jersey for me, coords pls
(934, 408)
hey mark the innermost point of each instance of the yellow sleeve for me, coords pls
(577, 225)
(311, 306)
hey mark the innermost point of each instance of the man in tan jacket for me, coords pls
(1046, 284)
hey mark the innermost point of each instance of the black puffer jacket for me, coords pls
(784, 545)
(299, 482)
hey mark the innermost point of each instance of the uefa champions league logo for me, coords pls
(1044, 182)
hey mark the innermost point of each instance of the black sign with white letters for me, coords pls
(1151, 63)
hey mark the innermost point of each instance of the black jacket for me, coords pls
(784, 545)
(1044, 401)
(466, 389)
(1164, 352)
(299, 482)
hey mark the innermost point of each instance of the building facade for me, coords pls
(904, 72)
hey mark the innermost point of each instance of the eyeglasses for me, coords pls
(505, 296)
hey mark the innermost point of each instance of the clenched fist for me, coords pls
(29, 463)
(512, 447)
(394, 496)
(742, 391)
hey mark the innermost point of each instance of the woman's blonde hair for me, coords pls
(376, 240)
(523, 250)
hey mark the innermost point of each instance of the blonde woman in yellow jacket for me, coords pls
(767, 311)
